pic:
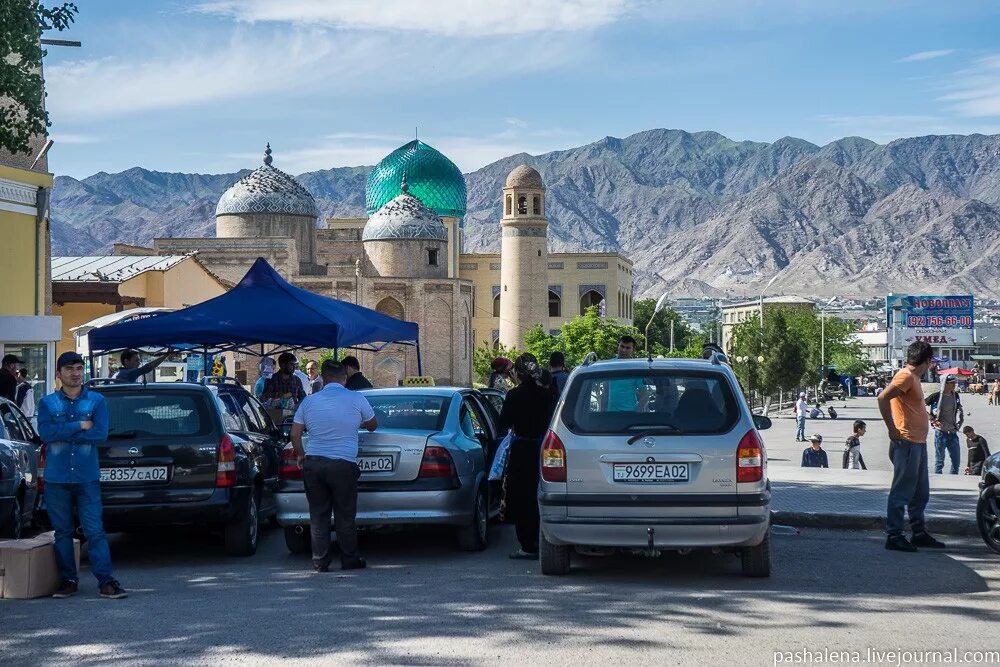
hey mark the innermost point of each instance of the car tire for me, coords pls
(13, 527)
(988, 516)
(757, 560)
(298, 543)
(241, 533)
(476, 535)
(553, 558)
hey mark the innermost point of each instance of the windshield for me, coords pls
(417, 413)
(683, 402)
(169, 414)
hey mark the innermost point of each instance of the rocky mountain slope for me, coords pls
(699, 213)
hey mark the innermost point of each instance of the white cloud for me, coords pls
(976, 90)
(448, 17)
(272, 66)
(925, 55)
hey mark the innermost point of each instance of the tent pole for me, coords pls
(90, 353)
(420, 365)
(204, 364)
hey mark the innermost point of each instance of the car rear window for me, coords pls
(418, 413)
(688, 402)
(168, 414)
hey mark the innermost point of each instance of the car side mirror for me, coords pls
(761, 423)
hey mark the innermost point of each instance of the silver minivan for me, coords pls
(654, 455)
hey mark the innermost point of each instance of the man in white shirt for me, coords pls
(330, 466)
(801, 410)
(303, 378)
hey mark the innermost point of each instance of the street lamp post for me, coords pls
(661, 303)
(760, 302)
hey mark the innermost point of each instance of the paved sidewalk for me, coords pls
(837, 498)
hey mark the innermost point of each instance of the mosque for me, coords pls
(405, 259)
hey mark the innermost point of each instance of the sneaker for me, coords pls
(66, 589)
(358, 563)
(521, 554)
(321, 567)
(899, 543)
(113, 591)
(925, 540)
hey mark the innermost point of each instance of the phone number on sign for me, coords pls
(914, 321)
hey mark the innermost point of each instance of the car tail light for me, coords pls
(553, 458)
(226, 472)
(290, 468)
(750, 458)
(41, 467)
(437, 462)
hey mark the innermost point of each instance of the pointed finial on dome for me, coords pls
(267, 155)
(404, 187)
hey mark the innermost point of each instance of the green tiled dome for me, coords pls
(432, 178)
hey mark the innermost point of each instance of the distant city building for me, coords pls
(736, 313)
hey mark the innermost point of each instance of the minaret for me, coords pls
(524, 261)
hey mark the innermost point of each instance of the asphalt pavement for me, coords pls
(423, 603)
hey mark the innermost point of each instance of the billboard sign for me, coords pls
(942, 321)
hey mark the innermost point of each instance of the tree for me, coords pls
(592, 333)
(540, 343)
(22, 90)
(484, 355)
(807, 326)
(659, 329)
(782, 350)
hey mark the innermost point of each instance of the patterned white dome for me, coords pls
(404, 217)
(267, 189)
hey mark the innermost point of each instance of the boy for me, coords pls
(814, 456)
(979, 451)
(852, 450)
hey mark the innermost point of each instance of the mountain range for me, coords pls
(699, 214)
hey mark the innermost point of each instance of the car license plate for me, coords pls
(651, 472)
(135, 474)
(385, 463)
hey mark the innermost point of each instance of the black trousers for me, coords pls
(522, 490)
(332, 485)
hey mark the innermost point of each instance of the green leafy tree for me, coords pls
(782, 350)
(592, 333)
(541, 343)
(22, 103)
(659, 329)
(807, 326)
(850, 364)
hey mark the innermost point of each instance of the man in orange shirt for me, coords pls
(905, 416)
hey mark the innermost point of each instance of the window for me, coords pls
(409, 412)
(507, 205)
(432, 257)
(496, 306)
(160, 414)
(690, 402)
(522, 205)
(12, 424)
(590, 299)
(555, 305)
(536, 205)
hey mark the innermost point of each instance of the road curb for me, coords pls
(936, 525)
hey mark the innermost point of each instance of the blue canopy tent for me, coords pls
(263, 309)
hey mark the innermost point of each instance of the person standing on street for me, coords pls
(25, 396)
(8, 377)
(995, 393)
(330, 466)
(356, 380)
(557, 366)
(814, 455)
(73, 421)
(527, 410)
(979, 451)
(852, 448)
(266, 373)
(131, 371)
(801, 410)
(284, 389)
(315, 381)
(903, 411)
(948, 417)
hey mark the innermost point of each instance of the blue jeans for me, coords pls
(910, 486)
(949, 441)
(800, 432)
(59, 501)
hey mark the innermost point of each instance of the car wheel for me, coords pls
(13, 527)
(757, 560)
(554, 558)
(988, 516)
(241, 533)
(298, 542)
(475, 536)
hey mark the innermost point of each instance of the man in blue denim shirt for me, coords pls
(72, 422)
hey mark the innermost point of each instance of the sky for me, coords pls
(201, 85)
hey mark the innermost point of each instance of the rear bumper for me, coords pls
(667, 533)
(404, 504)
(221, 506)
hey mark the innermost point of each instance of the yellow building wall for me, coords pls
(73, 315)
(186, 284)
(18, 272)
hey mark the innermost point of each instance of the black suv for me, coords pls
(187, 454)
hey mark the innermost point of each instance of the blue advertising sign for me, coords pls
(938, 320)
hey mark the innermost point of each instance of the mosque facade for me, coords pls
(404, 259)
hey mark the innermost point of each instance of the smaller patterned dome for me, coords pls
(404, 218)
(524, 176)
(267, 189)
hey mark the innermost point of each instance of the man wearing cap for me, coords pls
(947, 417)
(8, 377)
(73, 421)
(814, 455)
(801, 410)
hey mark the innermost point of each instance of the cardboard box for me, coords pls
(28, 567)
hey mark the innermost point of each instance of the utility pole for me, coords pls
(671, 335)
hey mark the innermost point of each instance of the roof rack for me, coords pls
(589, 359)
(93, 382)
(219, 379)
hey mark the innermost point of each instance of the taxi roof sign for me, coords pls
(418, 381)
